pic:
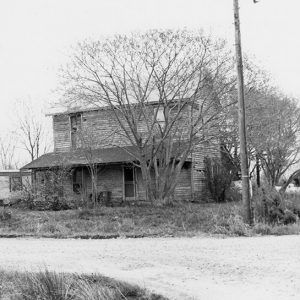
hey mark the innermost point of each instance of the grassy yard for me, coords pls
(113, 221)
(135, 221)
(48, 285)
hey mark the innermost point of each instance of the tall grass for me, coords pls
(48, 285)
(45, 285)
(86, 290)
(186, 219)
(121, 221)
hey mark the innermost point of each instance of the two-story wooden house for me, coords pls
(102, 143)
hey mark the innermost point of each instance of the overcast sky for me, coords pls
(36, 36)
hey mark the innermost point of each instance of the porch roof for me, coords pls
(84, 157)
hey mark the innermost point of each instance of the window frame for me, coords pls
(160, 116)
(13, 186)
(74, 129)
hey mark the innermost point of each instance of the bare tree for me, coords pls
(257, 86)
(8, 153)
(86, 143)
(274, 134)
(272, 125)
(31, 130)
(164, 89)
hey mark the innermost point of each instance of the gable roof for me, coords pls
(83, 157)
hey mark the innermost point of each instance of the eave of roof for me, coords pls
(79, 109)
(14, 172)
(84, 157)
(74, 110)
(81, 157)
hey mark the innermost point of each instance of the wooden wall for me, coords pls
(110, 178)
(5, 182)
(4, 187)
(100, 129)
(62, 133)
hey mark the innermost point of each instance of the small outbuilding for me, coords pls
(12, 181)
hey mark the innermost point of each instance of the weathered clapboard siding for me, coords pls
(100, 126)
(110, 178)
(199, 184)
(61, 133)
(100, 129)
(183, 190)
(4, 187)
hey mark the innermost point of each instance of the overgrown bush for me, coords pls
(233, 193)
(37, 200)
(15, 197)
(5, 214)
(218, 179)
(292, 201)
(230, 222)
(51, 202)
(49, 194)
(273, 208)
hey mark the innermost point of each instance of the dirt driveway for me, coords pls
(179, 268)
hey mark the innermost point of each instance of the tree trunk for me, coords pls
(257, 171)
(147, 180)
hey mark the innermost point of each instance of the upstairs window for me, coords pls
(160, 118)
(75, 120)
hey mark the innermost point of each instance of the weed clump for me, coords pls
(231, 223)
(5, 214)
(273, 208)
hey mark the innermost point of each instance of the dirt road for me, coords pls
(179, 268)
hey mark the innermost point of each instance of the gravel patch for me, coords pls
(265, 267)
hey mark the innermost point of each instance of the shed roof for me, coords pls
(14, 172)
(9, 171)
(83, 157)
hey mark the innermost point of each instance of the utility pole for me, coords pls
(242, 122)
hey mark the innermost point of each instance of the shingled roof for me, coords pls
(80, 157)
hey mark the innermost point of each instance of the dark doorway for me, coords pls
(129, 183)
(79, 180)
